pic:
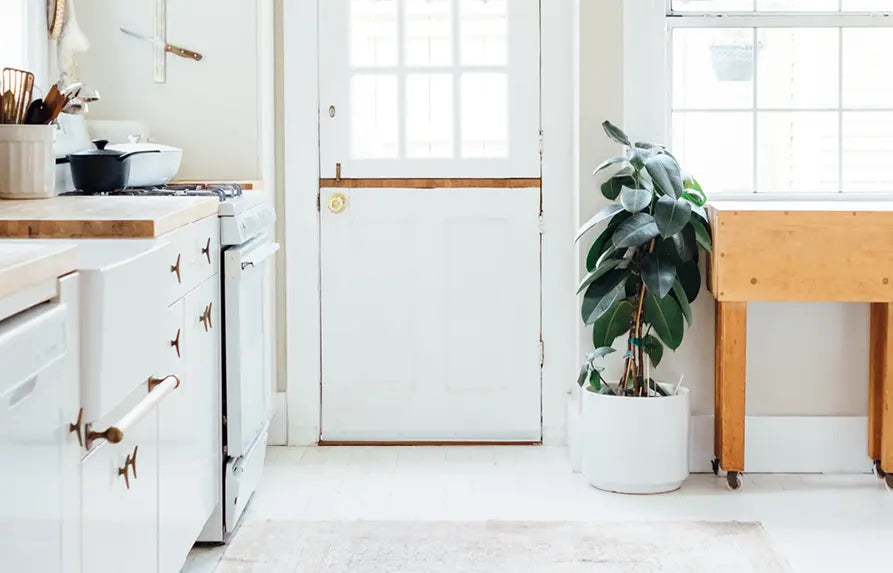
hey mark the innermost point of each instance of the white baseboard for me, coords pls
(279, 424)
(773, 444)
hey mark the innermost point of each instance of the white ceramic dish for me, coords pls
(150, 169)
(27, 166)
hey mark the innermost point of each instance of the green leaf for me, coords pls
(646, 145)
(602, 294)
(595, 380)
(702, 235)
(612, 324)
(607, 212)
(638, 157)
(634, 200)
(599, 352)
(609, 162)
(665, 172)
(584, 373)
(603, 241)
(682, 299)
(611, 188)
(666, 318)
(615, 133)
(671, 215)
(598, 272)
(653, 348)
(684, 245)
(690, 277)
(699, 198)
(658, 274)
(635, 231)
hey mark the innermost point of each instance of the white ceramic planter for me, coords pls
(27, 164)
(635, 445)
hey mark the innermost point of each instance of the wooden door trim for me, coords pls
(451, 183)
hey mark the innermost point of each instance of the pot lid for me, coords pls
(99, 150)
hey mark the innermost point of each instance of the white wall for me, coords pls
(210, 108)
(803, 359)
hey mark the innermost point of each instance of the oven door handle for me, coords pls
(255, 257)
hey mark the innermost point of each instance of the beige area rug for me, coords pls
(496, 547)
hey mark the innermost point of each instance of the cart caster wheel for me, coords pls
(889, 481)
(878, 471)
(733, 481)
(715, 464)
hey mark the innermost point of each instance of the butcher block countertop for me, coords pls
(101, 217)
(24, 265)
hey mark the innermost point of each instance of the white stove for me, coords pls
(248, 288)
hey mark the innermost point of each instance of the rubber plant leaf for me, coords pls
(612, 324)
(690, 276)
(671, 215)
(603, 241)
(616, 133)
(635, 231)
(602, 294)
(682, 299)
(665, 316)
(659, 274)
(653, 348)
(598, 272)
(611, 188)
(606, 213)
(634, 200)
(702, 235)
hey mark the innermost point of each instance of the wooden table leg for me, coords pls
(877, 367)
(731, 372)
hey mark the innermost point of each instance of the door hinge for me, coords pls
(318, 193)
(542, 352)
(540, 143)
(541, 223)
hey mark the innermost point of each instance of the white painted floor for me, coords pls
(817, 522)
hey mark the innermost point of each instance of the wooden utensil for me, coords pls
(7, 107)
(21, 84)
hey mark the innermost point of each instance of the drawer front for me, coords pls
(120, 524)
(189, 431)
(120, 329)
(194, 255)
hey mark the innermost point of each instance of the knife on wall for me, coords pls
(176, 50)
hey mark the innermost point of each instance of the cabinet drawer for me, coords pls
(194, 255)
(120, 327)
(120, 523)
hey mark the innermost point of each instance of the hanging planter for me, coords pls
(733, 62)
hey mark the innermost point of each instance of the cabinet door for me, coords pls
(189, 435)
(35, 386)
(120, 524)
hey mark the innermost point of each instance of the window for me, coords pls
(783, 96)
(430, 88)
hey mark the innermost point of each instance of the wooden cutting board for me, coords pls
(24, 265)
(101, 217)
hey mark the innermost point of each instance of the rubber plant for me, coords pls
(642, 268)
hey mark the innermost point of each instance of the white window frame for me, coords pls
(647, 70)
(522, 70)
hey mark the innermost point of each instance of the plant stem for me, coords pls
(637, 330)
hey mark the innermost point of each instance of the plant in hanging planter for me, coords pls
(643, 275)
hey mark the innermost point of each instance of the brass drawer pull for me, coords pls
(176, 343)
(125, 471)
(76, 427)
(205, 317)
(132, 461)
(153, 382)
(176, 268)
(207, 250)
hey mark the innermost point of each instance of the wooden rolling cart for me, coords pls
(807, 251)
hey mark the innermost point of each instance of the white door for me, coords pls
(430, 202)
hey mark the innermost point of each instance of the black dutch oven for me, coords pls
(100, 170)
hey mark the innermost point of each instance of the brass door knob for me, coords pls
(337, 203)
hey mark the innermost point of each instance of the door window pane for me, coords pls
(485, 108)
(429, 32)
(798, 5)
(713, 68)
(868, 5)
(868, 151)
(713, 5)
(373, 113)
(798, 151)
(483, 27)
(717, 148)
(798, 68)
(373, 33)
(867, 72)
(429, 115)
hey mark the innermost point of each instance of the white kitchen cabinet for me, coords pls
(189, 433)
(40, 486)
(120, 501)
